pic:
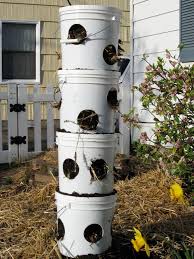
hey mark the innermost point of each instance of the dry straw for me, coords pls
(28, 213)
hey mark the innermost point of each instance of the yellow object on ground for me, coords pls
(176, 193)
(140, 242)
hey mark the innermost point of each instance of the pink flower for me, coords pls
(168, 56)
(190, 140)
(186, 87)
(149, 68)
(178, 144)
(143, 137)
(145, 88)
(184, 119)
(174, 77)
(174, 91)
(136, 118)
(159, 70)
(173, 63)
(183, 76)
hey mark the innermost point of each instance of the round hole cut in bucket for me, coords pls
(70, 168)
(86, 149)
(86, 30)
(112, 99)
(110, 55)
(60, 229)
(87, 222)
(88, 120)
(77, 31)
(93, 233)
(98, 169)
(84, 91)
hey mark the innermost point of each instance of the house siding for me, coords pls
(47, 12)
(155, 28)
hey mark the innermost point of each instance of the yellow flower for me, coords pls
(140, 242)
(176, 193)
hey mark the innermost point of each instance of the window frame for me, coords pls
(20, 81)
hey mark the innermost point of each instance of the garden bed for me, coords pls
(28, 214)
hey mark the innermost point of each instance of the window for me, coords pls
(20, 52)
(187, 30)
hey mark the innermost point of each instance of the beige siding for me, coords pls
(46, 11)
(121, 4)
(36, 2)
(50, 30)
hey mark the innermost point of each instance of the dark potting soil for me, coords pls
(93, 233)
(86, 194)
(77, 31)
(85, 133)
(98, 169)
(70, 168)
(109, 55)
(63, 130)
(88, 120)
(60, 229)
(112, 98)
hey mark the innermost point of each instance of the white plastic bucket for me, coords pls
(78, 216)
(84, 149)
(101, 24)
(87, 90)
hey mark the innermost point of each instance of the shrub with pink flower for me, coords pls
(168, 93)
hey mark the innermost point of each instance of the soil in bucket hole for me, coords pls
(110, 55)
(70, 168)
(98, 169)
(93, 233)
(60, 230)
(88, 120)
(77, 31)
(112, 98)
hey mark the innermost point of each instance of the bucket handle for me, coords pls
(70, 41)
(63, 209)
(62, 81)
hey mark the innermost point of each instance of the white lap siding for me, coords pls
(155, 27)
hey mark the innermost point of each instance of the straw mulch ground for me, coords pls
(144, 202)
(28, 214)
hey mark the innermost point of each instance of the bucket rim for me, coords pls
(76, 8)
(90, 136)
(87, 73)
(81, 200)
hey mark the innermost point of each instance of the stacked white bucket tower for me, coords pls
(86, 140)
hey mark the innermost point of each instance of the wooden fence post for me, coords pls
(37, 120)
(50, 118)
(23, 121)
(12, 123)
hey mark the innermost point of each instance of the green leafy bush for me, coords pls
(168, 94)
